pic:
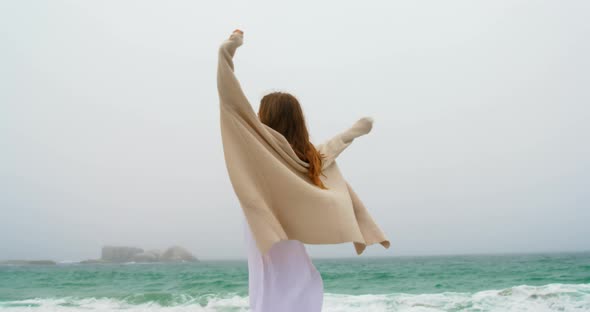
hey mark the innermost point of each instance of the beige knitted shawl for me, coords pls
(278, 199)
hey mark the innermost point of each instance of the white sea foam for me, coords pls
(553, 297)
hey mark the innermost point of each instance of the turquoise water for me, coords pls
(540, 282)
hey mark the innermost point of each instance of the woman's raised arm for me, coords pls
(361, 127)
(334, 146)
(230, 92)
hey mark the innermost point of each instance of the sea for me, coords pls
(511, 282)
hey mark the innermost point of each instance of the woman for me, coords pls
(290, 191)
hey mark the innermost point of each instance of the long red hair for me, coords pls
(282, 112)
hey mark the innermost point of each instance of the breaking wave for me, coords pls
(552, 297)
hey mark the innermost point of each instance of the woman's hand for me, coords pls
(237, 37)
(361, 127)
(237, 31)
(364, 125)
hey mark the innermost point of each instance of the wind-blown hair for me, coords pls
(282, 112)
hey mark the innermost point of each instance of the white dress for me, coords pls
(283, 280)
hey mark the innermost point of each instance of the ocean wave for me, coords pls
(552, 297)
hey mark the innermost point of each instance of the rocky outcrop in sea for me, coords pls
(121, 254)
(28, 262)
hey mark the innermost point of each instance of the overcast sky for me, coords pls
(109, 120)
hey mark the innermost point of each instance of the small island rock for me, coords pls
(177, 253)
(119, 253)
(147, 256)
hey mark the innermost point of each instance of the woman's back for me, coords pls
(284, 279)
(290, 192)
(280, 193)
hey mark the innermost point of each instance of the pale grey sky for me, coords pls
(110, 123)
